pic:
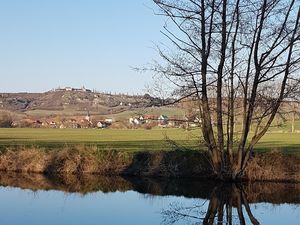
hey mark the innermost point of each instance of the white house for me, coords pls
(68, 89)
(110, 121)
(137, 121)
(134, 121)
(101, 124)
(163, 119)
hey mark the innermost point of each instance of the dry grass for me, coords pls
(274, 166)
(69, 160)
(78, 160)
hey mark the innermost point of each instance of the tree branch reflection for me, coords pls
(228, 204)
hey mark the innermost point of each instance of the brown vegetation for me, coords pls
(90, 160)
(274, 167)
(5, 120)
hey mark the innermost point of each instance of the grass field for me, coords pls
(131, 140)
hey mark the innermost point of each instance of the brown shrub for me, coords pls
(6, 120)
(274, 166)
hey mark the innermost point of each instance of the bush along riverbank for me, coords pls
(271, 166)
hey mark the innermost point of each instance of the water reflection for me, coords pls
(224, 198)
(215, 203)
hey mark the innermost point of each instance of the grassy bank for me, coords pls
(132, 140)
(157, 152)
(90, 160)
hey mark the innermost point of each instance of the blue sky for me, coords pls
(49, 43)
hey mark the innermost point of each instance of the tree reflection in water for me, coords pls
(225, 204)
(223, 201)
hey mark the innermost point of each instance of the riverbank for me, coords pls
(273, 166)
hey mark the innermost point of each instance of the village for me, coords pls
(100, 122)
(152, 112)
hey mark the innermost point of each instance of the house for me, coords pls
(84, 89)
(150, 118)
(131, 121)
(137, 121)
(163, 120)
(134, 121)
(198, 120)
(68, 89)
(109, 121)
(62, 126)
(52, 124)
(171, 123)
(102, 124)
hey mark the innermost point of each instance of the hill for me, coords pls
(74, 101)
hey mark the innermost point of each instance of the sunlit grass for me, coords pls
(132, 140)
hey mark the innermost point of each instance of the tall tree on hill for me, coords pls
(229, 55)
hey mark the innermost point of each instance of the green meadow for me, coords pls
(132, 140)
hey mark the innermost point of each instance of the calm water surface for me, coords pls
(35, 199)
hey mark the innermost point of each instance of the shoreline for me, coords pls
(272, 166)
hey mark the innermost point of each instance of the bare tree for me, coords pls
(228, 55)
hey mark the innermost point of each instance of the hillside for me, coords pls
(75, 101)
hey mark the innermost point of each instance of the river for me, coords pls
(37, 199)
